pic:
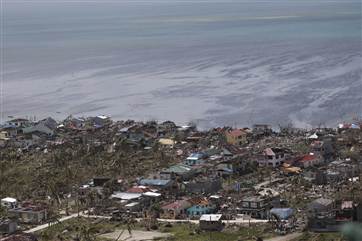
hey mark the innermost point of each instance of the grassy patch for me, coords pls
(183, 232)
(308, 236)
(82, 228)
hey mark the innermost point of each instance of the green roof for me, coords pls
(180, 168)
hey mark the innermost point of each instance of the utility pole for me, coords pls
(210, 231)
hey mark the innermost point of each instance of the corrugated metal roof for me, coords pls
(282, 213)
(211, 217)
(126, 195)
(154, 182)
(9, 200)
(152, 194)
(180, 168)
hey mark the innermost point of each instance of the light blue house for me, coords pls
(200, 209)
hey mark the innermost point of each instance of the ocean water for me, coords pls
(212, 62)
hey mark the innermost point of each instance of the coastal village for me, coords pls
(98, 179)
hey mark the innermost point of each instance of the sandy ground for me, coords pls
(136, 235)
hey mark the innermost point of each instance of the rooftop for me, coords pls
(154, 182)
(9, 199)
(236, 132)
(180, 168)
(126, 195)
(211, 217)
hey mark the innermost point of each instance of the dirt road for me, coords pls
(287, 237)
(136, 235)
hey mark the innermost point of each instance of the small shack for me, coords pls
(8, 226)
(9, 202)
(211, 222)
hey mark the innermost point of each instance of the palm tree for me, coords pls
(87, 233)
(129, 223)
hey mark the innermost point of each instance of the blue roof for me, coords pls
(154, 182)
(282, 213)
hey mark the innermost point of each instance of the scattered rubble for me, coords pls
(296, 179)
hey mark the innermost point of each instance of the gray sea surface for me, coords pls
(212, 62)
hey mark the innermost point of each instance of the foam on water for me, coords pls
(235, 63)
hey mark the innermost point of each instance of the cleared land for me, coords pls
(136, 235)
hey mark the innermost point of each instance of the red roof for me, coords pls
(176, 205)
(236, 132)
(138, 190)
(307, 158)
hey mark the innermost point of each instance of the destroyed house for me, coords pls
(255, 207)
(39, 127)
(133, 201)
(29, 214)
(74, 123)
(240, 164)
(262, 129)
(309, 160)
(8, 226)
(179, 171)
(272, 157)
(321, 205)
(231, 151)
(166, 127)
(135, 138)
(19, 122)
(9, 132)
(101, 120)
(212, 152)
(125, 197)
(346, 211)
(156, 183)
(175, 209)
(206, 186)
(322, 215)
(195, 159)
(224, 169)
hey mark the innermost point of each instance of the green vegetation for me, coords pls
(82, 229)
(308, 236)
(183, 232)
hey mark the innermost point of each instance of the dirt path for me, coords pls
(287, 237)
(44, 226)
(136, 235)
